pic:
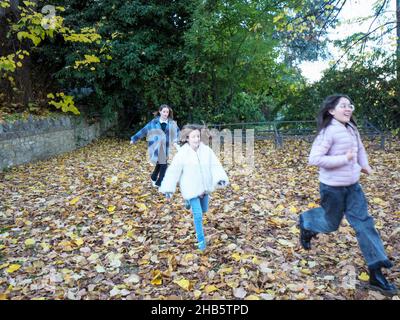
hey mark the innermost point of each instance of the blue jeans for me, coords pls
(199, 206)
(349, 201)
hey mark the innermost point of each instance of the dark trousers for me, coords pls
(159, 173)
(350, 201)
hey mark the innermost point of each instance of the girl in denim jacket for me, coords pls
(160, 132)
(341, 156)
(199, 172)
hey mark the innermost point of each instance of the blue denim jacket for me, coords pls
(157, 138)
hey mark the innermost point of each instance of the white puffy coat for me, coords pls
(197, 172)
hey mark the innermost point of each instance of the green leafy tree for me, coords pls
(25, 29)
(238, 48)
(371, 86)
(145, 41)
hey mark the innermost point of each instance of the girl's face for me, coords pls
(164, 113)
(194, 139)
(343, 110)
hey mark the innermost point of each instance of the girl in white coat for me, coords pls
(199, 172)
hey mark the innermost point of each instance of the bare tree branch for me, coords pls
(362, 39)
(373, 21)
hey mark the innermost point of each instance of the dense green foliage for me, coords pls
(212, 61)
(372, 87)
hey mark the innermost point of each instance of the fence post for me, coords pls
(376, 132)
(278, 140)
(383, 138)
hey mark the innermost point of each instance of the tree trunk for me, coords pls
(22, 75)
(13, 10)
(398, 50)
(398, 38)
(6, 44)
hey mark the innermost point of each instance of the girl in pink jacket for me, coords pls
(341, 156)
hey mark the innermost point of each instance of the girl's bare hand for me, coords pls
(350, 155)
(366, 170)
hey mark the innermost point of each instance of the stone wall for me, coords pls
(37, 139)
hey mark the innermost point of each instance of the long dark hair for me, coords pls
(324, 117)
(170, 114)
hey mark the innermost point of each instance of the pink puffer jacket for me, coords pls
(329, 150)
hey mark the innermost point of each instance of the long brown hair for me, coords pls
(188, 128)
(170, 114)
(324, 118)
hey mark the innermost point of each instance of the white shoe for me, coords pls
(153, 183)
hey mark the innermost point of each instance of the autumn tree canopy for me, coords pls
(217, 61)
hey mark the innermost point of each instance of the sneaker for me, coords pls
(202, 245)
(187, 204)
(153, 183)
(306, 236)
(378, 282)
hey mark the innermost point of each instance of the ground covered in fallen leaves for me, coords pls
(89, 225)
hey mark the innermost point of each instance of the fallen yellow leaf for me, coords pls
(233, 283)
(111, 209)
(378, 201)
(74, 200)
(66, 245)
(188, 257)
(255, 260)
(235, 187)
(293, 210)
(112, 179)
(210, 288)
(236, 256)
(30, 242)
(45, 246)
(157, 278)
(294, 230)
(306, 271)
(363, 276)
(225, 270)
(141, 206)
(183, 283)
(301, 296)
(13, 267)
(136, 190)
(312, 205)
(79, 241)
(197, 294)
